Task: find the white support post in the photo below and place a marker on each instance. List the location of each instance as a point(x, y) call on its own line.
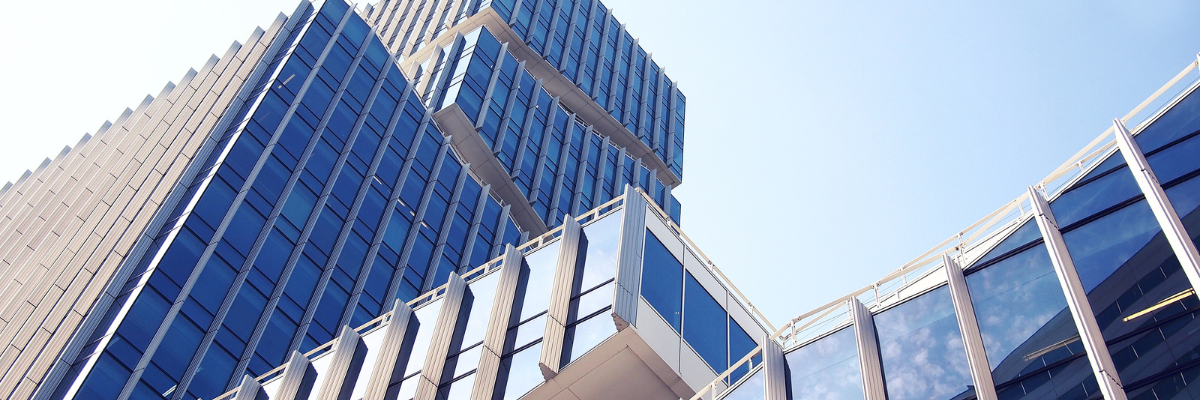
point(981, 370)
point(1077, 302)
point(774, 370)
point(868, 351)
point(1156, 198)
point(560, 299)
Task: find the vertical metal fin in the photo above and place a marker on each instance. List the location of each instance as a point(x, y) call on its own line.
point(493, 341)
point(1077, 302)
point(981, 371)
point(298, 378)
point(390, 365)
point(1164, 212)
point(560, 298)
point(775, 374)
point(348, 354)
point(868, 351)
point(250, 390)
point(443, 335)
point(629, 260)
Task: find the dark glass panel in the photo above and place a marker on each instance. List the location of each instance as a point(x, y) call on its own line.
point(1104, 192)
point(704, 325)
point(662, 280)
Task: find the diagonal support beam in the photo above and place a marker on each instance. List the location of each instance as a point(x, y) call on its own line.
point(1077, 302)
point(1160, 205)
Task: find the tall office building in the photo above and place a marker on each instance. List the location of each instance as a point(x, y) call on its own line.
point(338, 162)
point(471, 199)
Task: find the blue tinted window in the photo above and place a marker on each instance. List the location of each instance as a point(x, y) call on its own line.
point(662, 280)
point(1094, 196)
point(704, 325)
point(1183, 119)
point(922, 349)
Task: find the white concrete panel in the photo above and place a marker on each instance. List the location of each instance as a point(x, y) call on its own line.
point(658, 334)
point(694, 371)
point(743, 318)
point(664, 235)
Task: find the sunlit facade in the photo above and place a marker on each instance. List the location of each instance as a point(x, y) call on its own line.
point(1083, 288)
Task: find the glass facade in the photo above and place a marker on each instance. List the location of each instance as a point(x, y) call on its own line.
point(332, 196)
point(578, 38)
point(1140, 300)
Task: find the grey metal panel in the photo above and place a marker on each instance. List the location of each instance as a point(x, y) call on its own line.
point(443, 335)
point(1077, 302)
point(868, 351)
point(392, 356)
point(250, 390)
point(1160, 205)
point(348, 353)
point(502, 307)
point(775, 376)
point(560, 298)
point(298, 379)
point(629, 260)
point(981, 371)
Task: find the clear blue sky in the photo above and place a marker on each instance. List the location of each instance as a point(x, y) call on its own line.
point(827, 142)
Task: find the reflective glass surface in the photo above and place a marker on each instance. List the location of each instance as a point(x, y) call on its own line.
point(600, 263)
point(827, 368)
point(519, 373)
point(537, 278)
point(427, 315)
point(585, 335)
point(750, 389)
point(922, 349)
point(1028, 333)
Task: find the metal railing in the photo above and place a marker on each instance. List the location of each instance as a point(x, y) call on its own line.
point(973, 242)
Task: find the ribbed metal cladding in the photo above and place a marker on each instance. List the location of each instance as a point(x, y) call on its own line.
point(96, 248)
point(339, 379)
point(981, 371)
point(298, 379)
point(389, 367)
point(1077, 302)
point(629, 260)
point(249, 389)
point(868, 351)
point(443, 334)
point(493, 340)
point(1181, 242)
point(775, 376)
point(560, 298)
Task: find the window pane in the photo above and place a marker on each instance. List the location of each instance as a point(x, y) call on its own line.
point(600, 260)
point(751, 389)
point(519, 373)
point(922, 349)
point(1026, 326)
point(662, 280)
point(537, 278)
point(704, 325)
point(827, 368)
point(585, 335)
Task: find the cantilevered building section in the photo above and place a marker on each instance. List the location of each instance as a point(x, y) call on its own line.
point(615, 304)
point(1082, 288)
